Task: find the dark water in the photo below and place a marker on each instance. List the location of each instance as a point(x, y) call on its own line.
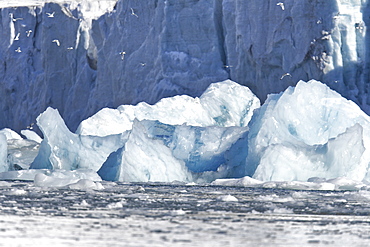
point(150, 214)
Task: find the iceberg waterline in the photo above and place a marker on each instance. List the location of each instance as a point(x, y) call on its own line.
point(306, 133)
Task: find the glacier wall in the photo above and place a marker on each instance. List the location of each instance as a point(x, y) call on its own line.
point(87, 56)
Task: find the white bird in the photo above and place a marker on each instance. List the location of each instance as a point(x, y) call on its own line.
point(29, 33)
point(281, 5)
point(286, 74)
point(122, 53)
point(17, 36)
point(56, 42)
point(50, 15)
point(18, 50)
point(143, 64)
point(133, 13)
point(228, 66)
point(70, 48)
point(14, 19)
point(30, 126)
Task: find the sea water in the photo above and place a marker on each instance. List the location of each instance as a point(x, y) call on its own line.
point(178, 214)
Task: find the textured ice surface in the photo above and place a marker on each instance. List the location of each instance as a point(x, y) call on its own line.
point(31, 135)
point(309, 131)
point(222, 104)
point(62, 149)
point(161, 152)
point(314, 183)
point(3, 153)
point(306, 133)
point(10, 134)
point(78, 179)
point(21, 153)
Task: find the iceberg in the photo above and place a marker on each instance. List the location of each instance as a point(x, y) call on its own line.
point(149, 150)
point(309, 131)
point(223, 104)
point(308, 136)
point(161, 152)
point(3, 153)
point(62, 149)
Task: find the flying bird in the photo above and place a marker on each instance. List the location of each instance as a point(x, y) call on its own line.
point(29, 33)
point(122, 53)
point(70, 48)
point(30, 126)
point(133, 13)
point(281, 5)
point(286, 74)
point(17, 36)
point(50, 15)
point(56, 42)
point(18, 50)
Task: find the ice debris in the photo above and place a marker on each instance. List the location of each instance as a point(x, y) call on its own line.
point(307, 137)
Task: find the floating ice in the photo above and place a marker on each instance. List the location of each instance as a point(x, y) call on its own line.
point(61, 149)
point(308, 137)
point(227, 198)
point(10, 134)
point(161, 152)
point(21, 153)
point(309, 131)
point(222, 104)
point(340, 183)
point(31, 135)
point(78, 179)
point(3, 153)
point(86, 184)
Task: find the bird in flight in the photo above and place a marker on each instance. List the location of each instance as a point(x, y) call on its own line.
point(50, 15)
point(281, 5)
point(17, 36)
point(133, 12)
point(56, 42)
point(122, 53)
point(18, 50)
point(286, 74)
point(29, 33)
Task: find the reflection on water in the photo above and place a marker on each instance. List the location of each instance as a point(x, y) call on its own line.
point(150, 214)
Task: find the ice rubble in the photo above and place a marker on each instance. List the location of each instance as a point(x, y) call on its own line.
point(309, 131)
point(222, 104)
point(149, 150)
point(307, 137)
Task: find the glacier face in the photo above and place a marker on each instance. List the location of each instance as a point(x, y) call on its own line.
point(111, 54)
